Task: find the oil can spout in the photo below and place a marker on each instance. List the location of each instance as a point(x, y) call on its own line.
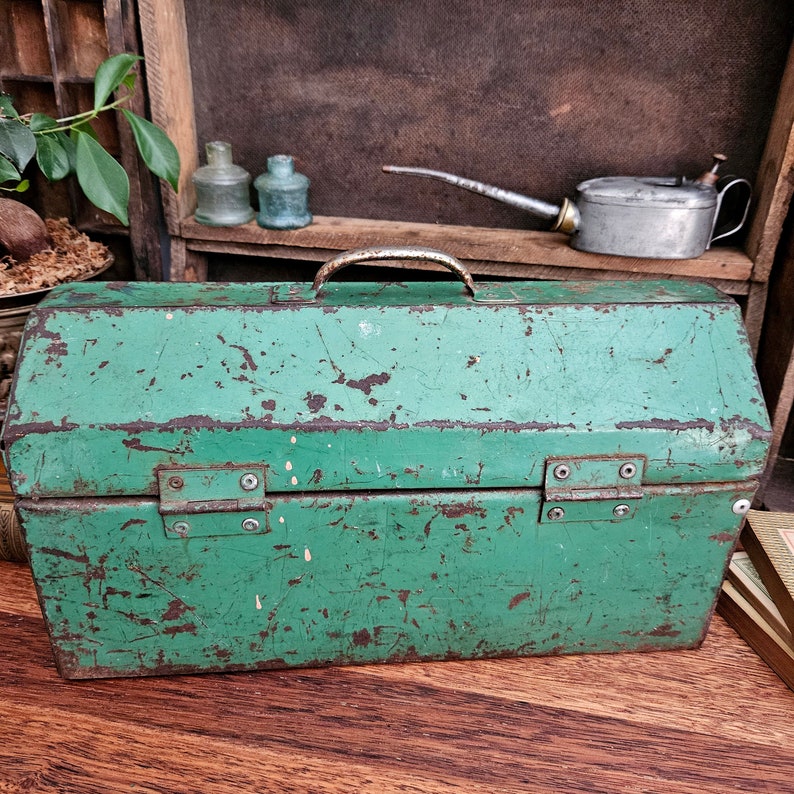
point(542, 209)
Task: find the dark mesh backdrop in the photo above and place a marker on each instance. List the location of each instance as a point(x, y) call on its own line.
point(529, 95)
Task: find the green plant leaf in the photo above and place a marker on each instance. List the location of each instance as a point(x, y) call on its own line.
point(69, 147)
point(84, 127)
point(53, 158)
point(8, 170)
point(41, 121)
point(7, 106)
point(17, 142)
point(157, 151)
point(110, 75)
point(103, 180)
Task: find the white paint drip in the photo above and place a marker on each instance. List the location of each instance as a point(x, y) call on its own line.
point(281, 519)
point(293, 440)
point(294, 480)
point(258, 602)
point(288, 465)
point(307, 555)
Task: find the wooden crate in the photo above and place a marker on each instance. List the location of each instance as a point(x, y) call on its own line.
point(173, 60)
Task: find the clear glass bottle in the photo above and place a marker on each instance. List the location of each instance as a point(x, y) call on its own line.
point(283, 195)
point(222, 189)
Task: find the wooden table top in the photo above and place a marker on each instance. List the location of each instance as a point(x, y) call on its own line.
point(714, 719)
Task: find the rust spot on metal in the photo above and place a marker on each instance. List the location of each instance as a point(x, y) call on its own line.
point(132, 522)
point(184, 628)
point(663, 357)
point(316, 477)
point(472, 361)
point(366, 384)
point(722, 537)
point(82, 558)
point(139, 446)
point(460, 509)
point(511, 427)
point(315, 402)
point(753, 428)
point(176, 608)
point(249, 360)
point(517, 599)
point(362, 638)
point(109, 591)
point(667, 424)
point(665, 630)
point(511, 513)
point(268, 405)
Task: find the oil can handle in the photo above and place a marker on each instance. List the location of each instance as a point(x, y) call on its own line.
point(408, 252)
point(725, 185)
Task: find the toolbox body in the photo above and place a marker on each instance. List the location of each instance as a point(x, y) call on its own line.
point(218, 477)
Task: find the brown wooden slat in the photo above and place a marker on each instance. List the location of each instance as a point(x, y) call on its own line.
point(774, 185)
point(465, 242)
point(170, 91)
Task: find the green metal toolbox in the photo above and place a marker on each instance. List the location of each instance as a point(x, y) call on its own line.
point(246, 476)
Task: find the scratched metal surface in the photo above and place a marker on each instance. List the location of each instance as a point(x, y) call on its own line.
point(375, 387)
point(350, 579)
point(404, 432)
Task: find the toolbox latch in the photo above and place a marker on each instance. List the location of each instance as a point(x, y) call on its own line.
point(224, 500)
point(597, 488)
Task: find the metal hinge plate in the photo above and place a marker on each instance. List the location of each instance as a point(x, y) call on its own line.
point(596, 488)
point(224, 500)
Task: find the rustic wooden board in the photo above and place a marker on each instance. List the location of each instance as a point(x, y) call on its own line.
point(774, 184)
point(515, 246)
point(710, 720)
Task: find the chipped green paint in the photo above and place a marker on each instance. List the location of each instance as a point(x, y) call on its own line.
point(355, 579)
point(404, 432)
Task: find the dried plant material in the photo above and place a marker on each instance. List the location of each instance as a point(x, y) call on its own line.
point(73, 257)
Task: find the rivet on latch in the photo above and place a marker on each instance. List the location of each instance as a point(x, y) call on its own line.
point(556, 513)
point(250, 525)
point(181, 528)
point(741, 506)
point(621, 510)
point(627, 471)
point(175, 483)
point(562, 472)
point(249, 481)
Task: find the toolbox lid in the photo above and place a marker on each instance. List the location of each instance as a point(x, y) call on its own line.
point(379, 386)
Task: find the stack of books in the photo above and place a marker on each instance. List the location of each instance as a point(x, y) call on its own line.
point(757, 597)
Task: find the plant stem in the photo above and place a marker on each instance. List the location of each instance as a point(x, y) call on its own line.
point(81, 118)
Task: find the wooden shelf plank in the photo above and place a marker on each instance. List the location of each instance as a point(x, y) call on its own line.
point(511, 246)
point(774, 184)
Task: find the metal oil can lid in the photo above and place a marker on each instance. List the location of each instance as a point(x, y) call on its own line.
point(636, 191)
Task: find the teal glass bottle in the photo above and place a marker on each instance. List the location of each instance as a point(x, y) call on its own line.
point(283, 195)
point(222, 189)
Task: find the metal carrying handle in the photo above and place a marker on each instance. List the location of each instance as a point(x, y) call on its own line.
point(723, 186)
point(409, 252)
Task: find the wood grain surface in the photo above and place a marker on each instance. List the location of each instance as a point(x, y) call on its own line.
point(517, 246)
point(714, 719)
